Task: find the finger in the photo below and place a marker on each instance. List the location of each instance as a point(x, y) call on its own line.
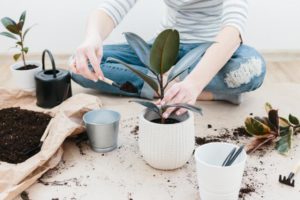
point(158, 102)
point(177, 99)
point(72, 65)
point(95, 63)
point(170, 94)
point(183, 110)
point(82, 66)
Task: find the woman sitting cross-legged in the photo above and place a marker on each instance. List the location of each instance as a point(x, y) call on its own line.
point(226, 70)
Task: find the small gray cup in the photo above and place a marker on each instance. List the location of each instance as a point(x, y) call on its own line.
point(102, 128)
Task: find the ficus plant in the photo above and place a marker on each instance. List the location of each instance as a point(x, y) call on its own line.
point(15, 31)
point(272, 129)
point(160, 58)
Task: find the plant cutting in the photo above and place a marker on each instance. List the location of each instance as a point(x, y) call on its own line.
point(164, 143)
point(22, 72)
point(272, 129)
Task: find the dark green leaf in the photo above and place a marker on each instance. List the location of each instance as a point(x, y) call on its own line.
point(184, 105)
point(284, 144)
point(151, 81)
point(294, 120)
point(139, 46)
point(274, 119)
point(149, 105)
point(256, 128)
point(25, 49)
point(23, 16)
point(10, 25)
point(17, 56)
point(19, 43)
point(190, 59)
point(7, 34)
point(164, 51)
point(21, 21)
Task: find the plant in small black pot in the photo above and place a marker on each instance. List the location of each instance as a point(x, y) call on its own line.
point(164, 143)
point(22, 72)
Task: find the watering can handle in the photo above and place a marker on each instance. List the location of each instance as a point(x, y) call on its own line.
point(51, 59)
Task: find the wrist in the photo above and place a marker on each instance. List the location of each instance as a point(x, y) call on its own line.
point(94, 38)
point(195, 83)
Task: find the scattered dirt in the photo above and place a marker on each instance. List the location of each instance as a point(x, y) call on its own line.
point(67, 182)
point(240, 132)
point(135, 130)
point(128, 87)
point(209, 126)
point(27, 67)
point(20, 131)
point(80, 140)
point(203, 140)
point(244, 191)
point(167, 121)
point(226, 135)
point(24, 196)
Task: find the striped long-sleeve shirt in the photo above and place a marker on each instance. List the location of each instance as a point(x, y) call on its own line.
point(196, 20)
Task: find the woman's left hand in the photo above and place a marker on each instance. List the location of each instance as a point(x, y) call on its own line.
point(181, 92)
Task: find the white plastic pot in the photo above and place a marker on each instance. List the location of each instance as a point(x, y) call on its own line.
point(24, 79)
point(166, 146)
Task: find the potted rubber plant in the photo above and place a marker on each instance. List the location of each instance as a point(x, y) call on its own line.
point(22, 72)
point(164, 143)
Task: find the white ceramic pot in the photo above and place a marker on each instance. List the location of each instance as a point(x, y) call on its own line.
point(166, 146)
point(24, 79)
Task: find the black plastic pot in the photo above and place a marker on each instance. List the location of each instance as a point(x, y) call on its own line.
point(53, 86)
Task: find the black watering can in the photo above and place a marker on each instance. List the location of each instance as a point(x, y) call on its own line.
point(53, 86)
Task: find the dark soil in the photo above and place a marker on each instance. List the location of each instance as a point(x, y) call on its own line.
point(27, 67)
point(202, 140)
point(24, 196)
point(227, 136)
point(80, 140)
point(20, 131)
point(209, 126)
point(241, 132)
point(244, 191)
point(135, 130)
point(167, 121)
point(128, 87)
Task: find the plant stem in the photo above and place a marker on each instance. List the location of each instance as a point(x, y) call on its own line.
point(22, 51)
point(162, 120)
point(161, 84)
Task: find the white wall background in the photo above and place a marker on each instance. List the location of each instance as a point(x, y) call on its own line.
point(274, 25)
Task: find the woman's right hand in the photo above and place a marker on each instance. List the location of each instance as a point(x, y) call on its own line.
point(90, 50)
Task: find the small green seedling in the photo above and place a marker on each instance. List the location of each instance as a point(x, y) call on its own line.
point(15, 31)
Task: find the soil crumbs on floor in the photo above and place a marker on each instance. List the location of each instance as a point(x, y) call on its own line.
point(20, 131)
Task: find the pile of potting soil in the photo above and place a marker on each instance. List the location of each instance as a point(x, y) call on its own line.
point(20, 131)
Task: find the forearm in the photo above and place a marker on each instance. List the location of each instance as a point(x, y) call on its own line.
point(99, 25)
point(216, 56)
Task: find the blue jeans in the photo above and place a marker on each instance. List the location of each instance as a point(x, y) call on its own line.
point(244, 72)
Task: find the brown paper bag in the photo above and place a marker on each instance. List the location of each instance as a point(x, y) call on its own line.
point(66, 121)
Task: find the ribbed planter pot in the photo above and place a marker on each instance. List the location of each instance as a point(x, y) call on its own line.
point(24, 79)
point(166, 146)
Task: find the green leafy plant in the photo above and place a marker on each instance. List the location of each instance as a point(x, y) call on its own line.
point(16, 32)
point(272, 129)
point(159, 59)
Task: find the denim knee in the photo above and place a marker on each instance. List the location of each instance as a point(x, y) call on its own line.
point(250, 72)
